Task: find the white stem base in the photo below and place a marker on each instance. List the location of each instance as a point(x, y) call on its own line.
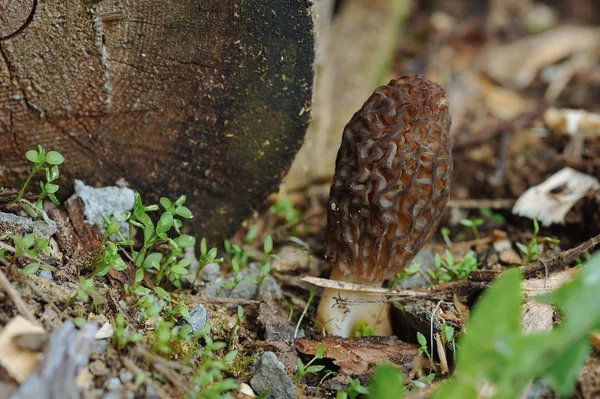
point(341, 316)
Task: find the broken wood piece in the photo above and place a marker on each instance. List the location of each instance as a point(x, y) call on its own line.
point(550, 201)
point(358, 357)
point(18, 362)
point(538, 286)
point(536, 317)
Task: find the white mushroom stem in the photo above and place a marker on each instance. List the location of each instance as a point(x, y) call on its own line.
point(341, 316)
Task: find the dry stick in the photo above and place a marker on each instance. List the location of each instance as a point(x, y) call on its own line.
point(500, 203)
point(14, 295)
point(490, 132)
point(543, 266)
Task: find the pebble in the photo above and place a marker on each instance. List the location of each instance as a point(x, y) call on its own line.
point(244, 289)
point(269, 373)
point(112, 384)
point(197, 319)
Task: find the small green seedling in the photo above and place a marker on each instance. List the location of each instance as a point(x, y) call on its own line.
point(447, 270)
point(412, 269)
point(311, 296)
point(264, 267)
point(353, 390)
point(493, 216)
point(121, 336)
point(304, 369)
point(363, 330)
point(532, 249)
point(445, 232)
point(285, 210)
point(29, 246)
point(48, 162)
point(473, 224)
point(423, 348)
point(208, 381)
point(86, 291)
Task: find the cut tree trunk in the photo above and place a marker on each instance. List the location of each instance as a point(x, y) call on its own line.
point(208, 98)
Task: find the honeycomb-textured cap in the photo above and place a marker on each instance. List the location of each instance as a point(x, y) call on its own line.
point(392, 179)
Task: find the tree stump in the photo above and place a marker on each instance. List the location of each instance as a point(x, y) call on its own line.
point(207, 98)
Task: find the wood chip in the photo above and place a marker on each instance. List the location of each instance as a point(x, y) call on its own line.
point(550, 201)
point(357, 357)
point(536, 317)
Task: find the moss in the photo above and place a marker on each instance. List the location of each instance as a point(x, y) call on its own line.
point(242, 365)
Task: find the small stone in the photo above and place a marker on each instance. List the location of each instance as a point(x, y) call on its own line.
point(107, 201)
point(47, 274)
point(269, 373)
point(246, 288)
point(210, 272)
point(125, 375)
point(151, 391)
point(112, 384)
point(98, 368)
point(99, 346)
point(511, 257)
point(197, 319)
point(246, 390)
point(42, 228)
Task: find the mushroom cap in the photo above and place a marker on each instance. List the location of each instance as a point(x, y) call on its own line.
point(392, 179)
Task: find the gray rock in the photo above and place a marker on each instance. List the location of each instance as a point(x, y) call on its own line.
point(112, 384)
point(47, 274)
point(244, 289)
point(210, 272)
point(197, 319)
point(151, 391)
point(100, 345)
point(107, 201)
point(425, 258)
point(125, 375)
point(42, 228)
point(269, 373)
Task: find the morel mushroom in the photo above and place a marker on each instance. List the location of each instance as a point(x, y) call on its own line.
point(391, 184)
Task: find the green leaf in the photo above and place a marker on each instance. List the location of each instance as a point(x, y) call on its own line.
point(268, 245)
point(179, 270)
point(162, 293)
point(152, 261)
point(412, 269)
point(250, 236)
point(314, 369)
point(386, 383)
point(30, 268)
point(523, 248)
point(320, 351)
point(183, 212)
point(32, 156)
point(422, 340)
point(203, 246)
point(186, 241)
point(139, 276)
point(181, 200)
point(54, 158)
point(166, 203)
point(164, 223)
point(79, 321)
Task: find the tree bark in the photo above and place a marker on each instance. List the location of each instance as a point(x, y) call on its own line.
point(207, 98)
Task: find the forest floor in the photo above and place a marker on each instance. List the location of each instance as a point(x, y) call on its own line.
point(523, 84)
